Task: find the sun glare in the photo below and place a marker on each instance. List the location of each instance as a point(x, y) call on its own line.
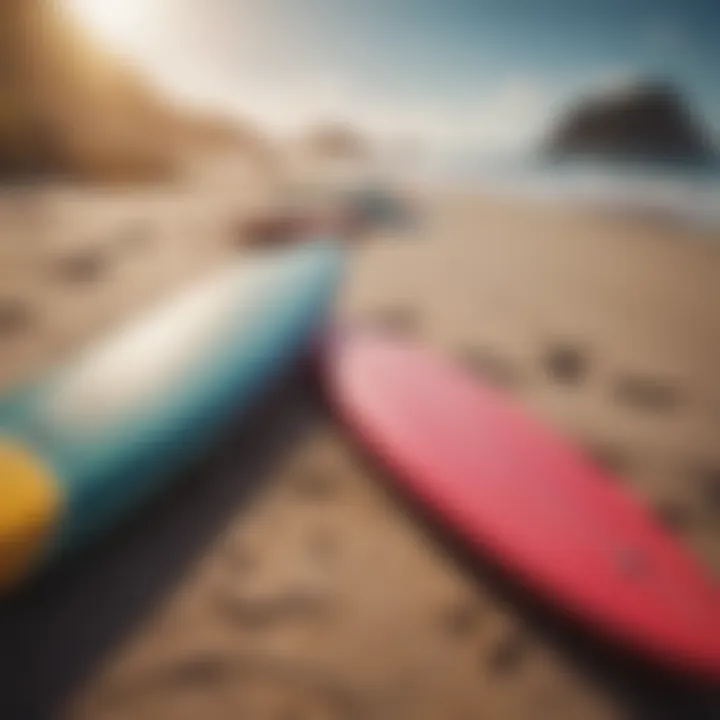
point(118, 22)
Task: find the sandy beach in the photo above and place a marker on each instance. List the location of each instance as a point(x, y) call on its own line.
point(281, 577)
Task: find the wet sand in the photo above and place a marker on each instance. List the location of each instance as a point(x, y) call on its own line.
point(282, 577)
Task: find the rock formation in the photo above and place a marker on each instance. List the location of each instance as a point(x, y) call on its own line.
point(645, 121)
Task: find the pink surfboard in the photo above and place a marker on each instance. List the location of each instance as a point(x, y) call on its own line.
point(522, 497)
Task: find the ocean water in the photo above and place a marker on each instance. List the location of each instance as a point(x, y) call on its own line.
point(678, 193)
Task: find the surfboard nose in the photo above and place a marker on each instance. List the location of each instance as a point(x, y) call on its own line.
point(30, 502)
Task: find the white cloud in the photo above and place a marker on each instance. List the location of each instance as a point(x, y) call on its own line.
point(282, 105)
point(511, 115)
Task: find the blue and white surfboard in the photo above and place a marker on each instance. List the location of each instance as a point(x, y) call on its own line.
point(84, 446)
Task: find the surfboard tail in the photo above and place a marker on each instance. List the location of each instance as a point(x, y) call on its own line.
point(30, 504)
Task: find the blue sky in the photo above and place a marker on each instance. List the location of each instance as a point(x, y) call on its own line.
point(485, 72)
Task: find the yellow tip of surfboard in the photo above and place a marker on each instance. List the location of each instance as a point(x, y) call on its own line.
point(29, 503)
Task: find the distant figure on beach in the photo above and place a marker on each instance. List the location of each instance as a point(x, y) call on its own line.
point(348, 215)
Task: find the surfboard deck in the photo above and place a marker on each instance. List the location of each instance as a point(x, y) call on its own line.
point(520, 496)
point(84, 445)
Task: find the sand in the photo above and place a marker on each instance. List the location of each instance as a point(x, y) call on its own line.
point(281, 577)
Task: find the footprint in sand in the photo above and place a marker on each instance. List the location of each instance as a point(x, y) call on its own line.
point(567, 364)
point(673, 516)
point(316, 485)
point(506, 655)
point(250, 597)
point(323, 546)
point(83, 267)
point(647, 394)
point(242, 560)
point(461, 621)
point(272, 610)
point(612, 459)
point(227, 686)
point(15, 317)
point(491, 368)
point(709, 479)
